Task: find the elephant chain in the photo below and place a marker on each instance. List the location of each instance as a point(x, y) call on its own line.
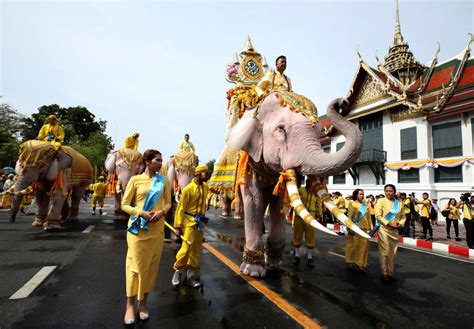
point(274, 253)
point(253, 257)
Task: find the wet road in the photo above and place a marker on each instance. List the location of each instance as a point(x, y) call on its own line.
point(86, 290)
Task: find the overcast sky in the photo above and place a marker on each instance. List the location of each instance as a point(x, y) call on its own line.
point(158, 67)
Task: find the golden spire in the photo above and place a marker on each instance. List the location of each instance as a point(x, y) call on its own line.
point(397, 38)
point(248, 44)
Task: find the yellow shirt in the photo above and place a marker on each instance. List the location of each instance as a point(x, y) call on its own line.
point(312, 202)
point(425, 208)
point(466, 213)
point(273, 80)
point(48, 129)
point(454, 212)
point(187, 146)
point(353, 213)
point(192, 201)
point(131, 143)
point(371, 206)
point(340, 202)
point(137, 190)
point(383, 207)
point(406, 206)
point(100, 188)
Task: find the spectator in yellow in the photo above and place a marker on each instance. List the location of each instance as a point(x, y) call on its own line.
point(314, 206)
point(190, 221)
point(425, 216)
point(186, 145)
point(52, 132)
point(131, 142)
point(357, 247)
point(274, 79)
point(390, 216)
point(454, 215)
point(100, 190)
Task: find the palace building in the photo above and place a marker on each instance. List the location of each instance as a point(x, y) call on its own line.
point(417, 122)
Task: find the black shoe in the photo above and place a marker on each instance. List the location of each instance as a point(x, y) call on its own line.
point(448, 236)
point(385, 279)
point(296, 260)
point(430, 238)
point(392, 279)
point(457, 239)
point(93, 214)
point(310, 262)
point(100, 211)
point(193, 283)
point(423, 237)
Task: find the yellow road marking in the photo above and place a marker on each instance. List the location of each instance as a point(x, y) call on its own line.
point(276, 299)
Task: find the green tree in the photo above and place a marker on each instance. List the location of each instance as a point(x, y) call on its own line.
point(210, 165)
point(10, 126)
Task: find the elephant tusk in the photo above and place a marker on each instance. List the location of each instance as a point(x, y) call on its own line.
point(326, 198)
point(301, 210)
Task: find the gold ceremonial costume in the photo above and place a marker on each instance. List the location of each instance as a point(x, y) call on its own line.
point(314, 206)
point(357, 247)
point(131, 143)
point(100, 189)
point(56, 130)
point(271, 81)
point(144, 249)
point(388, 236)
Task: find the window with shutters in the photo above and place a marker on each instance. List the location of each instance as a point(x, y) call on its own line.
point(447, 140)
point(448, 175)
point(339, 179)
point(409, 176)
point(408, 145)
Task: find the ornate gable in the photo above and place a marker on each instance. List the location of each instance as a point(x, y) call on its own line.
point(369, 91)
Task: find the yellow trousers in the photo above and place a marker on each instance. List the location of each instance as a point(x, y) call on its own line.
point(189, 259)
point(98, 199)
point(300, 228)
point(357, 250)
point(388, 245)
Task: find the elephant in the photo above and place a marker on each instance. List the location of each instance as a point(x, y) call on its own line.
point(282, 139)
point(123, 164)
point(54, 173)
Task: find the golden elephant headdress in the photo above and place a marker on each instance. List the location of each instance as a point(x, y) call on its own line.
point(298, 103)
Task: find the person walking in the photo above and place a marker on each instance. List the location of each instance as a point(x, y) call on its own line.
point(425, 216)
point(147, 199)
point(453, 216)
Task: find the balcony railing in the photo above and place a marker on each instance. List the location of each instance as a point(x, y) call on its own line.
point(372, 155)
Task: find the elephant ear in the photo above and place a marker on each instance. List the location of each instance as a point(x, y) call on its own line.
point(247, 135)
point(64, 160)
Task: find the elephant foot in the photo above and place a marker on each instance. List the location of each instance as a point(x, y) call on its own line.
point(253, 262)
point(38, 222)
point(71, 219)
point(273, 256)
point(237, 217)
point(73, 214)
point(254, 270)
point(273, 263)
point(52, 225)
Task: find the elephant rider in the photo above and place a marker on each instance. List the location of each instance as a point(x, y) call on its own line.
point(314, 205)
point(186, 145)
point(189, 221)
point(274, 79)
point(52, 132)
point(131, 142)
point(100, 189)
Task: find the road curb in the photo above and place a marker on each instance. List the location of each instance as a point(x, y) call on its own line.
point(435, 246)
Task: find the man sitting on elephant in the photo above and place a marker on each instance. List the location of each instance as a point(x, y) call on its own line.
point(52, 132)
point(274, 79)
point(186, 145)
point(131, 142)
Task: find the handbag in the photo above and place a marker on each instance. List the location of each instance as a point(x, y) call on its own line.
point(445, 212)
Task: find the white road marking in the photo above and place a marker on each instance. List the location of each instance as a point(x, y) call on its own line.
point(88, 229)
point(336, 254)
point(35, 281)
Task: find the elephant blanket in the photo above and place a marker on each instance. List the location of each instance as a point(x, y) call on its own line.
point(35, 153)
point(81, 172)
point(130, 157)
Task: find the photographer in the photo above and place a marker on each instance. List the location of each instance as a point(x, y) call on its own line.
point(468, 212)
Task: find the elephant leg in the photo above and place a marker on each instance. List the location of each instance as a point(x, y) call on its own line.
point(42, 202)
point(53, 220)
point(76, 196)
point(253, 262)
point(120, 215)
point(65, 208)
point(276, 239)
point(224, 206)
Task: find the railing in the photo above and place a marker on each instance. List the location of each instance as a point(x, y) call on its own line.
point(372, 155)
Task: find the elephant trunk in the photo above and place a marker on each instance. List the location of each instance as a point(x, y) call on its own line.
point(322, 164)
point(23, 183)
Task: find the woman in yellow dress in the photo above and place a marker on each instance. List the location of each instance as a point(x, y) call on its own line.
point(390, 217)
point(357, 247)
point(454, 216)
point(147, 199)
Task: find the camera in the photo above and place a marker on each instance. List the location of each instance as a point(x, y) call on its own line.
point(465, 197)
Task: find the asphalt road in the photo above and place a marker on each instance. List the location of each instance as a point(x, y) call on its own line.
point(86, 290)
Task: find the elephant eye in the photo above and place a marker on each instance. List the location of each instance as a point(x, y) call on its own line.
point(281, 128)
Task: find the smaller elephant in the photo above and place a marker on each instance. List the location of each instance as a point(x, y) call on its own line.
point(123, 164)
point(54, 173)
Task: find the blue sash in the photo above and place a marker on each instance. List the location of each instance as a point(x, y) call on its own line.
point(362, 212)
point(154, 193)
point(390, 216)
point(7, 186)
point(199, 220)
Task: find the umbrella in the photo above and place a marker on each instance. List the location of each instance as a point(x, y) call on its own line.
point(9, 170)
